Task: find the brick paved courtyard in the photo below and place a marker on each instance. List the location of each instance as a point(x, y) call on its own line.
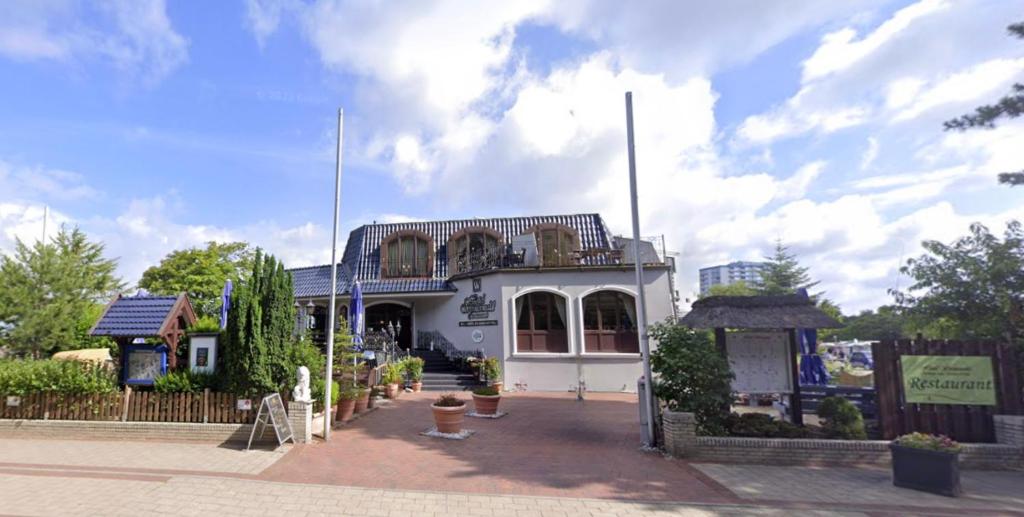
point(549, 444)
point(549, 456)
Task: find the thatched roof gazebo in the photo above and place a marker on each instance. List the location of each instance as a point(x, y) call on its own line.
point(779, 312)
point(788, 311)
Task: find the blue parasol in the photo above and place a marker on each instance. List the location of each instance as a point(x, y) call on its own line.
point(356, 316)
point(225, 304)
point(812, 368)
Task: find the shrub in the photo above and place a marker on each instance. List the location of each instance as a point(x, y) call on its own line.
point(492, 369)
point(841, 419)
point(927, 441)
point(692, 376)
point(488, 391)
point(205, 325)
point(351, 393)
point(393, 373)
point(317, 389)
point(449, 400)
point(21, 377)
point(414, 368)
point(760, 425)
point(305, 353)
point(183, 381)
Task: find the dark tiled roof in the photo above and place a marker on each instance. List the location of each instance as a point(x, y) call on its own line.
point(135, 316)
point(316, 281)
point(406, 285)
point(361, 260)
point(362, 253)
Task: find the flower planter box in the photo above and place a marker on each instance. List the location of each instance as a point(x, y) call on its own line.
point(937, 472)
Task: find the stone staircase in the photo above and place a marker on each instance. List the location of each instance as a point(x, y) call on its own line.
point(439, 374)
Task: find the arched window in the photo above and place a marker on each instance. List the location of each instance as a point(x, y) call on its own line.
point(472, 249)
point(557, 244)
point(405, 254)
point(541, 323)
point(609, 323)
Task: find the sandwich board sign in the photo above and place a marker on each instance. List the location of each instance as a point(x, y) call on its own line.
point(273, 414)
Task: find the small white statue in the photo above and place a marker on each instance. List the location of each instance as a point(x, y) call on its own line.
point(301, 392)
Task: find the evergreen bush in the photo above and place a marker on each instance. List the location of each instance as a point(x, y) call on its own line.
point(841, 419)
point(183, 381)
point(414, 368)
point(692, 376)
point(21, 377)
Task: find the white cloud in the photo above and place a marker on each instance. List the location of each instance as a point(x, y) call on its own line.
point(870, 153)
point(48, 184)
point(982, 81)
point(135, 36)
point(933, 54)
point(840, 50)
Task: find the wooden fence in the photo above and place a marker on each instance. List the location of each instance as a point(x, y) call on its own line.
point(134, 406)
point(863, 398)
point(960, 422)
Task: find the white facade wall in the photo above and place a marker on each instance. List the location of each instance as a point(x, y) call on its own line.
point(547, 372)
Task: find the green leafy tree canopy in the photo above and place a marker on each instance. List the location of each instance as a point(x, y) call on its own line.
point(970, 289)
point(52, 293)
point(1010, 106)
point(200, 272)
point(739, 288)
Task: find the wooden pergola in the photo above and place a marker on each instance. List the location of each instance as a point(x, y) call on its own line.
point(782, 312)
point(129, 317)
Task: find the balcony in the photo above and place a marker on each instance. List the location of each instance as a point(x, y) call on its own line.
point(507, 257)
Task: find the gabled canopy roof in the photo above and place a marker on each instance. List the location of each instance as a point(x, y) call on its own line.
point(143, 316)
point(758, 312)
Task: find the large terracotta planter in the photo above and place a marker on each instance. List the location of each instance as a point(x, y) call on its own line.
point(417, 386)
point(345, 410)
point(391, 391)
point(363, 402)
point(486, 404)
point(449, 419)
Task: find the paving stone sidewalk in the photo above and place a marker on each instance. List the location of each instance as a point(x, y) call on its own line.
point(36, 494)
point(129, 455)
point(838, 487)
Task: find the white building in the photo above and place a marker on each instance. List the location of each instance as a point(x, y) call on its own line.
point(553, 297)
point(740, 271)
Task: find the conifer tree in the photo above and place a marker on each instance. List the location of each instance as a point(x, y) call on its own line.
point(783, 274)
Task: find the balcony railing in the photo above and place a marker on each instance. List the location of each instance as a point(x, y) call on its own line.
point(507, 257)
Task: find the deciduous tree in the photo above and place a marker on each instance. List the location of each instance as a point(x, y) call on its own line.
point(200, 272)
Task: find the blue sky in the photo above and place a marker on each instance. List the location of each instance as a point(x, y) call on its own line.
point(156, 126)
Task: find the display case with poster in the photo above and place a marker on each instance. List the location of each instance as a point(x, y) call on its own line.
point(760, 361)
point(144, 363)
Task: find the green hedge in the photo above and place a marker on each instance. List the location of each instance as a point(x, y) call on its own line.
point(21, 377)
point(183, 381)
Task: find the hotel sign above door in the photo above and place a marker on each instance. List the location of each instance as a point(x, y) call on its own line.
point(478, 307)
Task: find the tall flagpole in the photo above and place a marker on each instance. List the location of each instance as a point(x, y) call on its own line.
point(331, 312)
point(645, 345)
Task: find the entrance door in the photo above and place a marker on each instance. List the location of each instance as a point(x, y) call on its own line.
point(378, 316)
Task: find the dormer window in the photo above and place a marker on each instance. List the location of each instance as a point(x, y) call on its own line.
point(407, 254)
point(472, 249)
point(557, 244)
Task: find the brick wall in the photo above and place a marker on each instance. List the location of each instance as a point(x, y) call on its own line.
point(681, 441)
point(98, 430)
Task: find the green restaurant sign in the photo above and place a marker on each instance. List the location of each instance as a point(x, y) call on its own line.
point(948, 379)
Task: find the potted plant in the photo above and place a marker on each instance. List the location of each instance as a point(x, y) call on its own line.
point(492, 370)
point(391, 378)
point(926, 462)
point(347, 403)
point(414, 370)
point(486, 400)
point(449, 411)
point(363, 400)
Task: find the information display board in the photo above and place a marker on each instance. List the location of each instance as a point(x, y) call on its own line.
point(145, 363)
point(948, 379)
point(273, 414)
point(760, 362)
